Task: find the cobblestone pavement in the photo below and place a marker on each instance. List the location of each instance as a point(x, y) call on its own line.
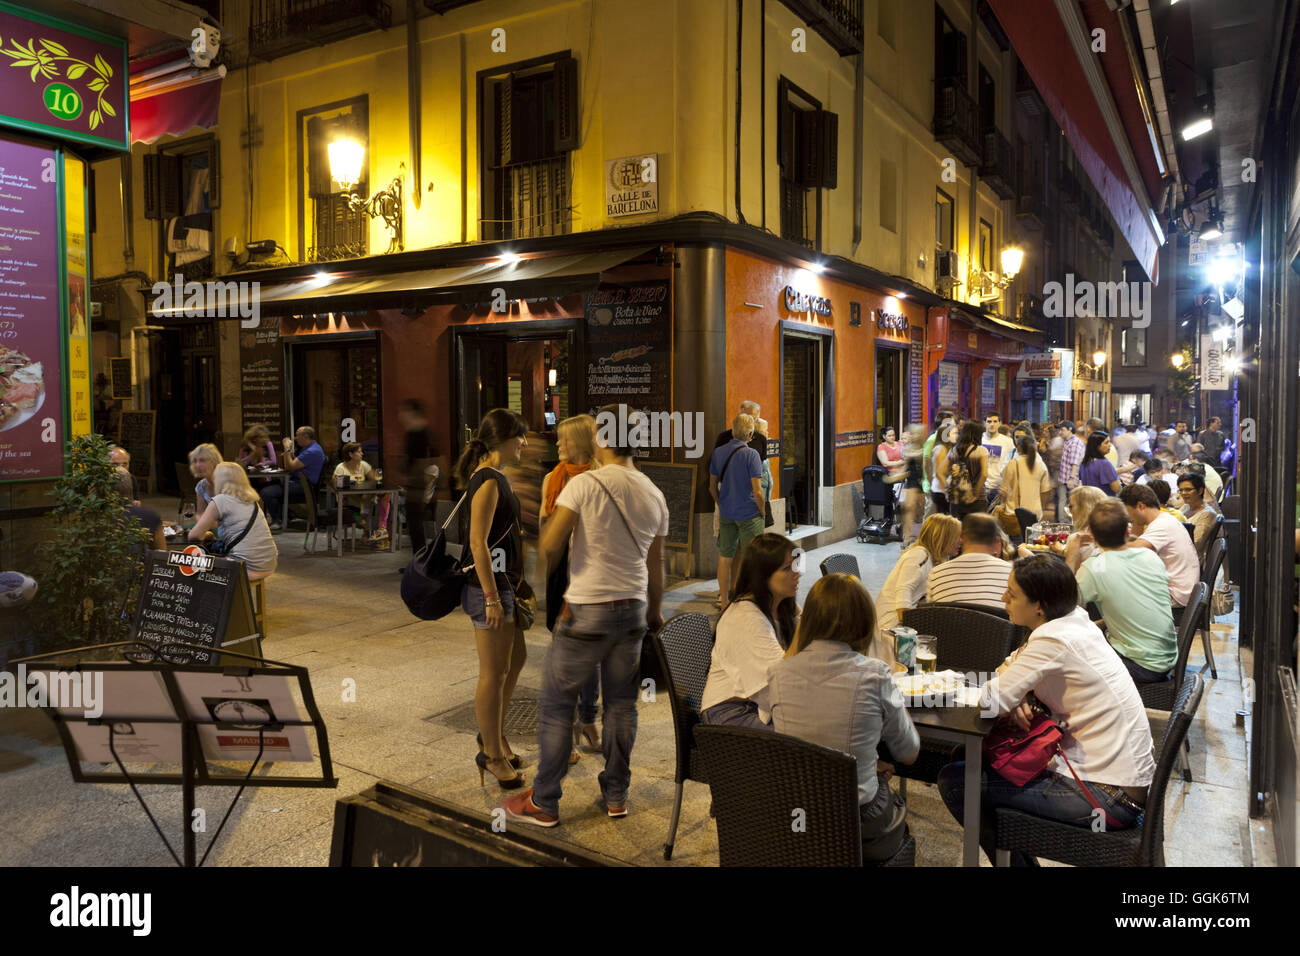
point(412, 723)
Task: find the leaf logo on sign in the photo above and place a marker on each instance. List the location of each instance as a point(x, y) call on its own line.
point(61, 99)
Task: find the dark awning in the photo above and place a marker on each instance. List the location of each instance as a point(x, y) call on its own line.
point(543, 276)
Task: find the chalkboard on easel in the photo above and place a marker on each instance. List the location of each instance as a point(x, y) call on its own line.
point(196, 598)
point(119, 378)
point(135, 433)
point(677, 482)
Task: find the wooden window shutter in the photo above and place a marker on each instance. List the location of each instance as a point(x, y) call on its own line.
point(162, 193)
point(214, 173)
point(829, 127)
point(318, 165)
point(505, 146)
point(566, 104)
point(810, 166)
point(786, 133)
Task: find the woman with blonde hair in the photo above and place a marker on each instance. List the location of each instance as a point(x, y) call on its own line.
point(575, 441)
point(1079, 547)
point(939, 540)
point(203, 460)
point(827, 692)
point(236, 512)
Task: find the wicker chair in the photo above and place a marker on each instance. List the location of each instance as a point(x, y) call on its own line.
point(684, 646)
point(1162, 696)
point(969, 639)
point(1142, 845)
point(982, 608)
point(758, 778)
point(841, 564)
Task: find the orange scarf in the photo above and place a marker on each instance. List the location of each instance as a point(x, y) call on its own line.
point(556, 481)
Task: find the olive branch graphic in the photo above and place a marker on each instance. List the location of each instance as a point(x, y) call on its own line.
point(44, 61)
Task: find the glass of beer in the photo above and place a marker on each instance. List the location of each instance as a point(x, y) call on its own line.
point(926, 653)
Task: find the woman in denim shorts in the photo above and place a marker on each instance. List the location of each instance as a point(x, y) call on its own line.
point(492, 530)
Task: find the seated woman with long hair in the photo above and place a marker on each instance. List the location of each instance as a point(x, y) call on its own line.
point(1066, 668)
point(939, 540)
point(236, 513)
point(828, 693)
point(757, 624)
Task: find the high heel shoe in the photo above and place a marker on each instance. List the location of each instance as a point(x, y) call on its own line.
point(514, 760)
point(513, 783)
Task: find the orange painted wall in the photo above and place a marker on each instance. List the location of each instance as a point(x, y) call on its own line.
point(754, 340)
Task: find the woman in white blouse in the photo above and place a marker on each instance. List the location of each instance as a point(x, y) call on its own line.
point(752, 634)
point(1067, 668)
point(940, 539)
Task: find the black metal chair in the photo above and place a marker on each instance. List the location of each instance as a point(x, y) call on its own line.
point(307, 509)
point(760, 780)
point(841, 564)
point(968, 639)
point(1142, 845)
point(982, 608)
point(1209, 574)
point(1163, 695)
point(684, 646)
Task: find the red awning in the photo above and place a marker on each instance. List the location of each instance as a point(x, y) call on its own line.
point(1041, 39)
point(175, 112)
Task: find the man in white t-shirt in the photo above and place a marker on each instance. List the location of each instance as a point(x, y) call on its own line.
point(1165, 535)
point(999, 447)
point(978, 575)
point(618, 521)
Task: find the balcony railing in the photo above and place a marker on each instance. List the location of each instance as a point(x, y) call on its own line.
point(1031, 101)
point(954, 121)
point(1030, 208)
point(838, 22)
point(281, 27)
point(997, 164)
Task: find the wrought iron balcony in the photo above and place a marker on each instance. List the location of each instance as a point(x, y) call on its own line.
point(1031, 101)
point(838, 22)
point(1030, 208)
point(955, 121)
point(281, 27)
point(997, 164)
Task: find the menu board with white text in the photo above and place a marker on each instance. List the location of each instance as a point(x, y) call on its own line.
point(31, 333)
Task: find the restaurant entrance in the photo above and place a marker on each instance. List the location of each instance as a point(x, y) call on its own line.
point(335, 389)
point(186, 387)
point(890, 362)
point(805, 381)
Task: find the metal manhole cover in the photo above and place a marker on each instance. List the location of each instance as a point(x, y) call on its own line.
point(520, 720)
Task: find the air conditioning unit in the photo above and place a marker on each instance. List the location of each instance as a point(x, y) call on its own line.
point(946, 266)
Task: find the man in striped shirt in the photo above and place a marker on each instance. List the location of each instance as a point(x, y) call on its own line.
point(978, 575)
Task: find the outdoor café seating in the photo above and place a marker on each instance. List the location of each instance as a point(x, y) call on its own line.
point(684, 646)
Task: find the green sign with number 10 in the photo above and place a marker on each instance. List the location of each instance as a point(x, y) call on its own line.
point(63, 101)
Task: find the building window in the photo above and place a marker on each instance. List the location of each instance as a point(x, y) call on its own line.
point(333, 229)
point(943, 220)
point(988, 103)
point(181, 188)
point(889, 195)
point(528, 122)
point(949, 50)
point(986, 246)
point(1133, 347)
point(808, 155)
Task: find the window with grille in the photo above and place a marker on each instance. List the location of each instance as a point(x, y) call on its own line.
point(334, 230)
point(182, 187)
point(529, 126)
point(808, 145)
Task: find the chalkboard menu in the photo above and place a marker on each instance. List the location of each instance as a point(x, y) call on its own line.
point(195, 598)
point(677, 482)
point(629, 347)
point(261, 377)
point(916, 377)
point(135, 434)
point(119, 376)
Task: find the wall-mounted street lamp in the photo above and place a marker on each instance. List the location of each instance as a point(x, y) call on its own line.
point(1098, 360)
point(346, 157)
point(1177, 360)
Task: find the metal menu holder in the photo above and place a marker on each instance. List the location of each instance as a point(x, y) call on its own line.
point(155, 706)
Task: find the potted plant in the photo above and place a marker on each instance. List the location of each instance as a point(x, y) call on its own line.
point(90, 565)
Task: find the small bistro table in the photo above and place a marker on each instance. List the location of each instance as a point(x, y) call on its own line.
point(961, 725)
point(367, 489)
point(282, 476)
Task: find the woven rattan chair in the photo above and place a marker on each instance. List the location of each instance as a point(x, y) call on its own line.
point(841, 564)
point(684, 646)
point(762, 782)
point(982, 608)
point(1142, 845)
point(1164, 695)
point(969, 640)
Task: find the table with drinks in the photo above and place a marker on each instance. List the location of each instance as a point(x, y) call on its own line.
point(280, 475)
point(944, 707)
point(342, 487)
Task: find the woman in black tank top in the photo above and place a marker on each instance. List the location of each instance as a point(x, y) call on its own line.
point(490, 525)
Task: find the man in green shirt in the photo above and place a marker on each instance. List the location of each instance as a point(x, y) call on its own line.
point(1131, 587)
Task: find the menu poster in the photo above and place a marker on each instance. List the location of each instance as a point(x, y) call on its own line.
point(261, 376)
point(74, 214)
point(629, 348)
point(916, 377)
point(31, 360)
point(194, 598)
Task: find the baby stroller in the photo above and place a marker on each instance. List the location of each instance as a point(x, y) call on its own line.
point(876, 493)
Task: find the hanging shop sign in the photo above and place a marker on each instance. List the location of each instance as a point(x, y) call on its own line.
point(632, 185)
point(802, 303)
point(1047, 365)
point(1214, 370)
point(62, 80)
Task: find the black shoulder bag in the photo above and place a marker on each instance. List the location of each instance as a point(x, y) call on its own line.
point(223, 546)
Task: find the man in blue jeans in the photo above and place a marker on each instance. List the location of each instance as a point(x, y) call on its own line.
point(618, 520)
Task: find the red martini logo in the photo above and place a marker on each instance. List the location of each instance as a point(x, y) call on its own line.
point(190, 560)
